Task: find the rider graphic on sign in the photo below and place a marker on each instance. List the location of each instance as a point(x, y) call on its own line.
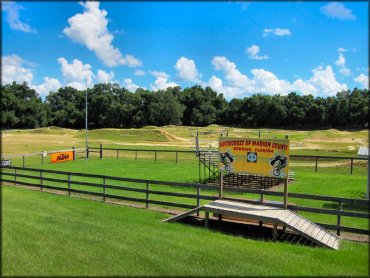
point(226, 159)
point(278, 163)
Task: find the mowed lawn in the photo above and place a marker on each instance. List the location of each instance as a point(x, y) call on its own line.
point(45, 234)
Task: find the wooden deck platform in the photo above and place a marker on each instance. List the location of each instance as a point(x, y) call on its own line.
point(267, 214)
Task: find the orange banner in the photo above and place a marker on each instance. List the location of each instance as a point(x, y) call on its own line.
point(61, 157)
point(264, 157)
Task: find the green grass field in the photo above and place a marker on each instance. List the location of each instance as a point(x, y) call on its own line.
point(330, 181)
point(46, 234)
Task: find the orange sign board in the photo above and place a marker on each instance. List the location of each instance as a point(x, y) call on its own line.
point(264, 157)
point(61, 157)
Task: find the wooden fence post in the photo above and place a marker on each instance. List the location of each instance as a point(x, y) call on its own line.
point(147, 196)
point(101, 151)
point(23, 161)
point(338, 217)
point(87, 152)
point(41, 180)
point(198, 200)
point(69, 184)
point(155, 155)
point(135, 155)
point(74, 153)
point(15, 177)
point(316, 165)
point(104, 189)
point(351, 166)
point(117, 153)
point(42, 159)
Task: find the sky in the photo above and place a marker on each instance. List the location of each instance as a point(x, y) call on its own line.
point(236, 48)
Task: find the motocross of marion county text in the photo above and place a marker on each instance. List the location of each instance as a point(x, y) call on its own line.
point(264, 157)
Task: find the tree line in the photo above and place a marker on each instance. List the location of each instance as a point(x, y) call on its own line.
point(110, 105)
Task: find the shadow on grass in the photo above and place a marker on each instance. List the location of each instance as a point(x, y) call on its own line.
point(248, 230)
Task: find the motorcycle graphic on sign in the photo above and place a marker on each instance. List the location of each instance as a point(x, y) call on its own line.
point(226, 159)
point(278, 163)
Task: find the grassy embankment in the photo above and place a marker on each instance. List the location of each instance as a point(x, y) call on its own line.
point(49, 235)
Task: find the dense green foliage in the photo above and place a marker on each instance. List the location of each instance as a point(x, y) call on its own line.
point(116, 107)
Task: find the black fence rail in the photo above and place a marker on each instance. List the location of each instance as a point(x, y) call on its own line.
point(316, 158)
point(155, 152)
point(66, 181)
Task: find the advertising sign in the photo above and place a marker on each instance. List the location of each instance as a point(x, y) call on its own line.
point(264, 157)
point(5, 163)
point(61, 157)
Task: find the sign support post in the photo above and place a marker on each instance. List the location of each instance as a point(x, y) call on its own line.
point(286, 193)
point(221, 193)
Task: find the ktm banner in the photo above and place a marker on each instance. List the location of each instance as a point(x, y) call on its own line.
point(61, 157)
point(264, 157)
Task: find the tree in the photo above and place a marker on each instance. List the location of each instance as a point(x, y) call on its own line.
point(21, 107)
point(67, 107)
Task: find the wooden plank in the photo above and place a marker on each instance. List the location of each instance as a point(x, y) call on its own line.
point(298, 223)
point(320, 235)
point(325, 239)
point(314, 232)
point(290, 218)
point(183, 215)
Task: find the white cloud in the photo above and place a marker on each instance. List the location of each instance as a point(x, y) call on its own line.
point(129, 85)
point(363, 80)
point(13, 69)
point(341, 64)
point(342, 49)
point(322, 82)
point(139, 72)
point(337, 11)
point(13, 18)
point(76, 73)
point(90, 29)
point(187, 71)
point(232, 74)
point(276, 32)
point(161, 83)
point(159, 74)
point(253, 52)
point(104, 77)
point(50, 84)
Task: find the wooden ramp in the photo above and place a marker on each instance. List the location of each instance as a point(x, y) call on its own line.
point(183, 215)
point(267, 214)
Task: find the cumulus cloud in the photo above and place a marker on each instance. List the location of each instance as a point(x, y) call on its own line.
point(341, 64)
point(90, 29)
point(187, 71)
point(13, 18)
point(363, 80)
point(337, 11)
point(277, 32)
point(14, 69)
point(161, 82)
point(129, 85)
point(159, 74)
point(322, 82)
point(104, 77)
point(253, 53)
point(76, 74)
point(49, 85)
point(139, 72)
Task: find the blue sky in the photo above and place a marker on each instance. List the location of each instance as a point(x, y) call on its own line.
point(237, 48)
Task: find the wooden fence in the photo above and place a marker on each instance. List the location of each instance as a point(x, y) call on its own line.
point(21, 176)
point(315, 158)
